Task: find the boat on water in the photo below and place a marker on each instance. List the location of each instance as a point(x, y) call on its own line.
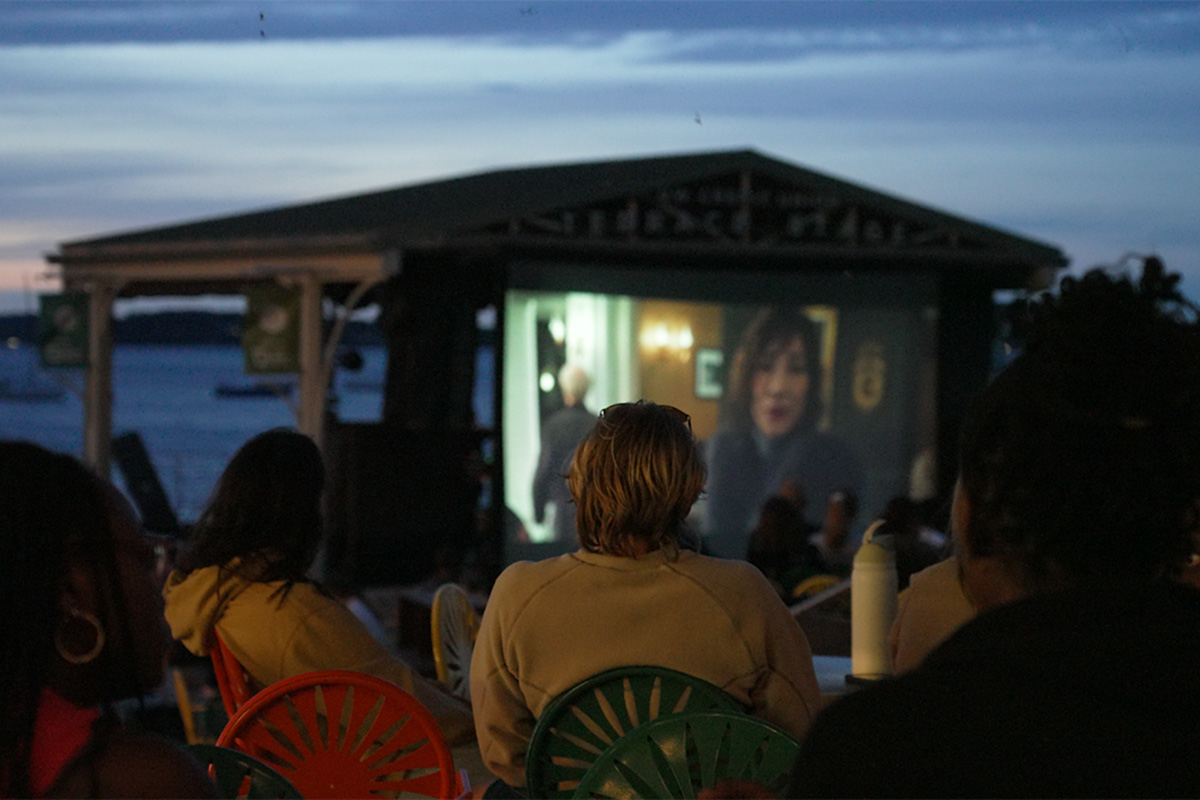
point(255, 389)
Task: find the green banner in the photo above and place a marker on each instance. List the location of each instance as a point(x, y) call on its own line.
point(63, 329)
point(271, 331)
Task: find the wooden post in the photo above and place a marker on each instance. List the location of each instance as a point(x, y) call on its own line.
point(97, 396)
point(310, 418)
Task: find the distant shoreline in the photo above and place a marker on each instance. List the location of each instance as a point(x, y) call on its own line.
point(181, 328)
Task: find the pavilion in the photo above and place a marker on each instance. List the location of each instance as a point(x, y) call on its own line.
point(729, 226)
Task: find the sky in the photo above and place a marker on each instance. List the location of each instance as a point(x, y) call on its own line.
point(1077, 124)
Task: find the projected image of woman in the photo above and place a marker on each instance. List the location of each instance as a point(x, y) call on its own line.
point(768, 443)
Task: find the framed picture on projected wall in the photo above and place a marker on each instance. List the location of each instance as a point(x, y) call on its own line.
point(710, 373)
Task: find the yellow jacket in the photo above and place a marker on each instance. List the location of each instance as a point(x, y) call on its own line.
point(276, 637)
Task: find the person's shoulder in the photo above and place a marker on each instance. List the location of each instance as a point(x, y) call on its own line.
point(198, 581)
point(301, 598)
point(723, 573)
point(525, 576)
point(943, 573)
point(870, 743)
point(138, 764)
point(699, 562)
point(570, 417)
point(582, 412)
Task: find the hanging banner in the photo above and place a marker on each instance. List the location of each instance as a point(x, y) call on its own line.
point(63, 329)
point(271, 330)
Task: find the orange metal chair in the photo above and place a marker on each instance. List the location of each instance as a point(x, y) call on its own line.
point(231, 678)
point(345, 734)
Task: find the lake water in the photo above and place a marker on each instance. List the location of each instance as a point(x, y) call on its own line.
point(165, 393)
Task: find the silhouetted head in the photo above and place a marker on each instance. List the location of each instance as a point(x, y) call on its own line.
point(574, 383)
point(780, 526)
point(1081, 461)
point(840, 511)
point(80, 611)
point(267, 506)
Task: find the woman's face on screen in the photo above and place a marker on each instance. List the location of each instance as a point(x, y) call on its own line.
point(779, 388)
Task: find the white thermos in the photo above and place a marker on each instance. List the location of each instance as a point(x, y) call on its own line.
point(873, 590)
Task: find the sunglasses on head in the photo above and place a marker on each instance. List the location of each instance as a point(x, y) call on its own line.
point(613, 412)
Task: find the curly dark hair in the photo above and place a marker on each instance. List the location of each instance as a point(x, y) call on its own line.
point(771, 330)
point(1082, 459)
point(266, 507)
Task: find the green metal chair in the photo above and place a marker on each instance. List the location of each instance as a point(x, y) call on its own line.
point(679, 755)
point(582, 722)
point(239, 774)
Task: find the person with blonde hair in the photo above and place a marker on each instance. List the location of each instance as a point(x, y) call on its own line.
point(633, 594)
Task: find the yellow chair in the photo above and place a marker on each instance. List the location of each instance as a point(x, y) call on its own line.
point(453, 626)
point(186, 712)
point(813, 585)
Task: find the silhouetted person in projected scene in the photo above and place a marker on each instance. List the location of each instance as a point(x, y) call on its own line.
point(561, 434)
point(835, 543)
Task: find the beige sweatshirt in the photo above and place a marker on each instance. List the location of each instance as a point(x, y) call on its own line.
point(550, 624)
point(930, 609)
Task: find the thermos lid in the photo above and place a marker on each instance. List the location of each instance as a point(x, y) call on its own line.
point(875, 549)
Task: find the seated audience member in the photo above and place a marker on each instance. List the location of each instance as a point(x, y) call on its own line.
point(779, 545)
point(932, 607)
point(916, 545)
point(632, 596)
point(81, 627)
point(836, 547)
point(246, 578)
point(1076, 513)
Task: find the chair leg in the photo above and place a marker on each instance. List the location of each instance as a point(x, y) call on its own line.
point(184, 701)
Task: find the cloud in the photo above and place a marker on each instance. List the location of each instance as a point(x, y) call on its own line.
point(1078, 123)
point(783, 27)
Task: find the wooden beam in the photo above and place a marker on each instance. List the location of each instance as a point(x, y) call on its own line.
point(311, 412)
point(97, 397)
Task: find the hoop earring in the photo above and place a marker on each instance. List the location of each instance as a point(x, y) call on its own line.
point(97, 646)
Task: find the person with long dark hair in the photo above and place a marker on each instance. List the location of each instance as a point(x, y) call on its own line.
point(769, 438)
point(81, 627)
point(246, 578)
